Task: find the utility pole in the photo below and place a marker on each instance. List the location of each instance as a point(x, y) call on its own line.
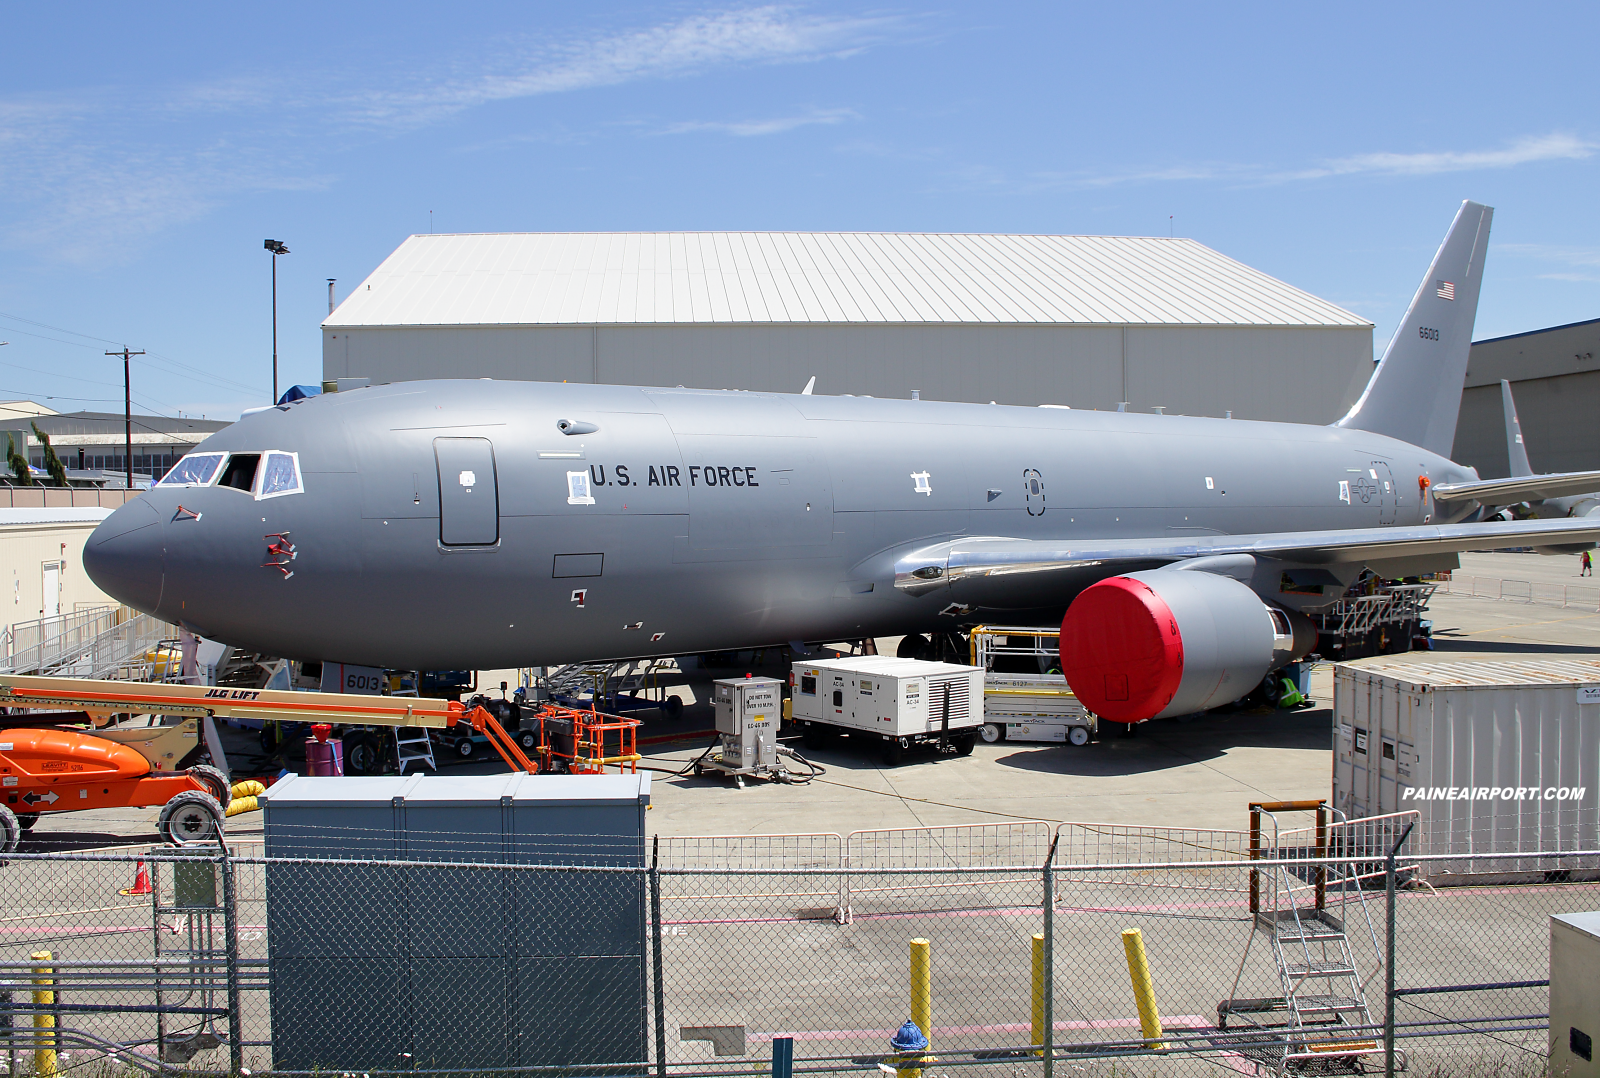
point(127, 409)
point(277, 248)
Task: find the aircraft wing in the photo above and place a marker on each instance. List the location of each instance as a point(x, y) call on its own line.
point(1519, 488)
point(981, 558)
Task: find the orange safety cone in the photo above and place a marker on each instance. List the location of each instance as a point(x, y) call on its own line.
point(141, 882)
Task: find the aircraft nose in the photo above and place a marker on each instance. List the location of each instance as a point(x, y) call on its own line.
point(124, 556)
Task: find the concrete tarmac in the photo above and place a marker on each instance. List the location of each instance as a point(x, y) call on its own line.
point(1199, 772)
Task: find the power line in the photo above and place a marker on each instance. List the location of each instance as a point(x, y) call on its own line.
point(220, 381)
point(58, 329)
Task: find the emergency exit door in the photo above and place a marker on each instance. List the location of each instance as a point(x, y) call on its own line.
point(469, 497)
point(50, 606)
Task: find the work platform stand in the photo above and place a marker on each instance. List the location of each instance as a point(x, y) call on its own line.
point(1322, 1012)
point(196, 945)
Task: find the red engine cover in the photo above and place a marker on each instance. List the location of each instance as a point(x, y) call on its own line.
point(1121, 650)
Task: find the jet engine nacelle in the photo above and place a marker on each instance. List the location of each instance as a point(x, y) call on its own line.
point(1170, 642)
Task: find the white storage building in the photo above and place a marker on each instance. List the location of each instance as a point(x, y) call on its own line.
point(1085, 321)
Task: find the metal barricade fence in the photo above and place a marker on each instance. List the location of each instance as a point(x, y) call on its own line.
point(815, 895)
point(723, 960)
point(963, 846)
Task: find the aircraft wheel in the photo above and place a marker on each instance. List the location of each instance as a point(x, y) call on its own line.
point(191, 817)
point(27, 820)
point(10, 830)
point(1078, 735)
point(215, 782)
point(362, 753)
point(992, 732)
point(964, 744)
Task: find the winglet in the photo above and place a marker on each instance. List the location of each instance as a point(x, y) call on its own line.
point(1516, 451)
point(806, 392)
point(1415, 394)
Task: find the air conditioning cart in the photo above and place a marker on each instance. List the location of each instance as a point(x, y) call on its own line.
point(894, 704)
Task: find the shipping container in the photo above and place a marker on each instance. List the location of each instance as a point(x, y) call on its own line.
point(1495, 757)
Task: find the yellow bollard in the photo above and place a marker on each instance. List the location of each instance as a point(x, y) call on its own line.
point(921, 1000)
point(44, 1052)
point(1037, 1026)
point(1143, 992)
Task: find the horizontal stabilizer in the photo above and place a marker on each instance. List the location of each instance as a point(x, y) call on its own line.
point(1519, 488)
point(977, 559)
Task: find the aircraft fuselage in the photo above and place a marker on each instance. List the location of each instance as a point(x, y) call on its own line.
point(674, 521)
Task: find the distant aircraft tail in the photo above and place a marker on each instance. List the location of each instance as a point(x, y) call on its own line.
point(1515, 450)
point(1415, 394)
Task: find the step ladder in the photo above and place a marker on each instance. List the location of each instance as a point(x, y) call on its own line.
point(1320, 1015)
point(413, 746)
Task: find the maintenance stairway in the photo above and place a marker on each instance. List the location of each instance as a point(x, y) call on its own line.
point(1320, 1016)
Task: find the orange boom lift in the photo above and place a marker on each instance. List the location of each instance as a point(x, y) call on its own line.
point(55, 770)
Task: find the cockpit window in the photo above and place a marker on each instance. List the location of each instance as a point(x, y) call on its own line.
point(280, 475)
point(240, 474)
point(194, 470)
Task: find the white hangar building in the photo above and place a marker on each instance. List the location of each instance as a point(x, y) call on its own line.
point(1085, 321)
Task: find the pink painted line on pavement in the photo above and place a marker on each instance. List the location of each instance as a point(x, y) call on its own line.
point(1014, 911)
point(98, 930)
point(1182, 1021)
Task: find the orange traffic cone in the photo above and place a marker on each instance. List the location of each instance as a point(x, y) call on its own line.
point(141, 882)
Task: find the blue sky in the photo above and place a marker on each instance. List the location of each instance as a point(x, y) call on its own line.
point(146, 150)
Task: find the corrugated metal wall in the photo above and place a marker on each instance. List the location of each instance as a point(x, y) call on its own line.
point(1309, 375)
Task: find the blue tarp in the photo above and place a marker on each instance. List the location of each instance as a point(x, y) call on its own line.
point(295, 393)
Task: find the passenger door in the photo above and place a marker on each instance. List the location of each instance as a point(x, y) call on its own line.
point(469, 497)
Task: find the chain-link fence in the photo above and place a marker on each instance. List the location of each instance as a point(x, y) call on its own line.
point(721, 955)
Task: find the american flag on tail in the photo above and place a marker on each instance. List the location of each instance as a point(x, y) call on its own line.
point(1447, 290)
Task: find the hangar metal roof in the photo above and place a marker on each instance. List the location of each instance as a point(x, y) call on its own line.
point(611, 278)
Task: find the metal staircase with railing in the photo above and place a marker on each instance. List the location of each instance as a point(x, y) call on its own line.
point(1320, 1015)
point(608, 680)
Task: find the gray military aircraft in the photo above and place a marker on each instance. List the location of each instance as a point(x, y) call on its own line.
point(1545, 494)
point(481, 524)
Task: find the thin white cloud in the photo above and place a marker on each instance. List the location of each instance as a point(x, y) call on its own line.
point(1572, 256)
point(1525, 151)
point(770, 34)
point(85, 174)
point(773, 126)
point(1583, 263)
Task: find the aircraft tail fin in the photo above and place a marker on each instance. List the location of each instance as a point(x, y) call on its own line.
point(1415, 394)
point(1515, 449)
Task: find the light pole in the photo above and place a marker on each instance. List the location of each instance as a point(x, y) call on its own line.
point(277, 248)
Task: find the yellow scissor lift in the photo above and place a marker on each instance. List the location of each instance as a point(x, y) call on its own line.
point(1025, 706)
